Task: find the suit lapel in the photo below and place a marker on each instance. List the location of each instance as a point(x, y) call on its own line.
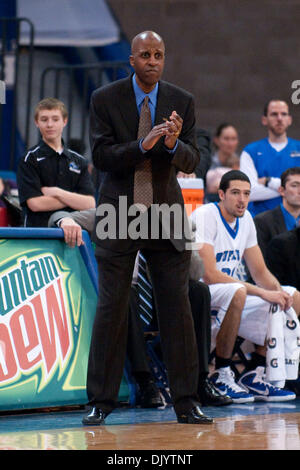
point(128, 108)
point(279, 220)
point(163, 105)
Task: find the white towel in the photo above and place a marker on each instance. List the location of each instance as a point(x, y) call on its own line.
point(283, 341)
point(292, 344)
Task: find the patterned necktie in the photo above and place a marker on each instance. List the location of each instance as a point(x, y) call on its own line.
point(143, 191)
point(145, 293)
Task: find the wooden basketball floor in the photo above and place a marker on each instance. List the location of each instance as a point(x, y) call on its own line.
point(258, 426)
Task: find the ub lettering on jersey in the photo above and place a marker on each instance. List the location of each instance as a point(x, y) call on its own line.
point(228, 255)
point(229, 241)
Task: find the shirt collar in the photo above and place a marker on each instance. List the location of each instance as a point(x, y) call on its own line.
point(232, 231)
point(140, 94)
point(289, 219)
point(49, 150)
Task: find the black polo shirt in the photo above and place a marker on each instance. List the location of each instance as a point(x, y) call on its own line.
point(43, 166)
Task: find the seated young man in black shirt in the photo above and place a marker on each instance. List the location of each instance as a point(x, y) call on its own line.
point(50, 176)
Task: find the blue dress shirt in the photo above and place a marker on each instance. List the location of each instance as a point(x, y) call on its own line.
point(139, 98)
point(290, 221)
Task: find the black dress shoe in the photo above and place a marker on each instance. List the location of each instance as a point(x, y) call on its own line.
point(95, 417)
point(150, 396)
point(293, 386)
point(210, 396)
point(194, 416)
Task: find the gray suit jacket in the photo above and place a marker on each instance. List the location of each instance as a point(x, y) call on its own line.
point(86, 218)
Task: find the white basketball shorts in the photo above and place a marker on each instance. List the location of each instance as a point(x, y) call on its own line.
point(254, 321)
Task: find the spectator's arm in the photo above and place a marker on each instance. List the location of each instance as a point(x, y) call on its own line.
point(2, 187)
point(44, 204)
point(67, 198)
point(72, 232)
point(259, 192)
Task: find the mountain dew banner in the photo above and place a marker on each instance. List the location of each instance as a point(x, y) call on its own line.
point(48, 301)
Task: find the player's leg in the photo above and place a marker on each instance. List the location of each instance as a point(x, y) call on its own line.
point(230, 325)
point(229, 300)
point(254, 326)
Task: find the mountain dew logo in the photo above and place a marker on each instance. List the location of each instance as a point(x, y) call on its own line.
point(35, 323)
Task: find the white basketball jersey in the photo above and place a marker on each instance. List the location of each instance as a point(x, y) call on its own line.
point(229, 241)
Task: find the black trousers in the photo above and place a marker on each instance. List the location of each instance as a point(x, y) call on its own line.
point(199, 296)
point(136, 345)
point(169, 273)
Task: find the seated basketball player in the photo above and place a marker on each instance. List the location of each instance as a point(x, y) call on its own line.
point(226, 233)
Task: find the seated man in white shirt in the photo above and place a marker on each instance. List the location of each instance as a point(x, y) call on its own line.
point(226, 233)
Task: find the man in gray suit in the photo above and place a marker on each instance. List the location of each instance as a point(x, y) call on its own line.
point(120, 154)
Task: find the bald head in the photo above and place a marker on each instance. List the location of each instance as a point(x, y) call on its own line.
point(145, 36)
point(147, 58)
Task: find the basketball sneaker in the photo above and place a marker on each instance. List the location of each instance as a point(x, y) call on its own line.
point(223, 380)
point(254, 382)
